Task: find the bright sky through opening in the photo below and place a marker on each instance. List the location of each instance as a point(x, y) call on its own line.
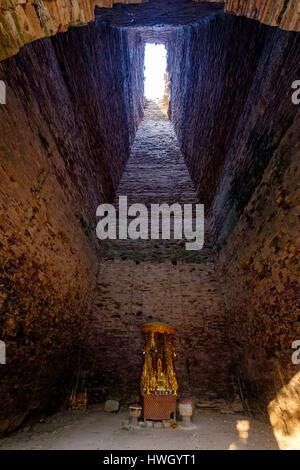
point(155, 69)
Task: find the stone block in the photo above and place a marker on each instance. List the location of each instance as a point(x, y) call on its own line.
point(111, 406)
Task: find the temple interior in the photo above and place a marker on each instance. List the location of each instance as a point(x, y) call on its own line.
point(77, 130)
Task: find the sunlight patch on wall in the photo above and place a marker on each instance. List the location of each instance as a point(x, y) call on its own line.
point(284, 412)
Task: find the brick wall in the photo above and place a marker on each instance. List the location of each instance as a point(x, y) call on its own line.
point(63, 147)
point(231, 106)
point(260, 275)
point(186, 296)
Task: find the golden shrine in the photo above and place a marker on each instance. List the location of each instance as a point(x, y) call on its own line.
point(158, 382)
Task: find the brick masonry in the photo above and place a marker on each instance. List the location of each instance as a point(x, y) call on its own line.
point(22, 23)
point(63, 148)
point(231, 107)
point(188, 297)
point(156, 173)
point(260, 274)
point(63, 151)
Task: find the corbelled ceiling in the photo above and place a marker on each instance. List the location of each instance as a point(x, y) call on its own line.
point(23, 21)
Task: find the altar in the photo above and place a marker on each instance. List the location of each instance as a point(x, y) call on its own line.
point(158, 382)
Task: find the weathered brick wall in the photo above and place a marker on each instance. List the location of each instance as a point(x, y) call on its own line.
point(22, 22)
point(282, 13)
point(186, 296)
point(108, 102)
point(26, 21)
point(29, 20)
point(65, 136)
point(231, 105)
point(259, 267)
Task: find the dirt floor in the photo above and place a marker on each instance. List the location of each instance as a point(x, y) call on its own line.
point(96, 429)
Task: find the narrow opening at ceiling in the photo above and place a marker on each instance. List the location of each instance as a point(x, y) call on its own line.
point(155, 74)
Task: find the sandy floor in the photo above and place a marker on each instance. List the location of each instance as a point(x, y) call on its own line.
point(99, 430)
